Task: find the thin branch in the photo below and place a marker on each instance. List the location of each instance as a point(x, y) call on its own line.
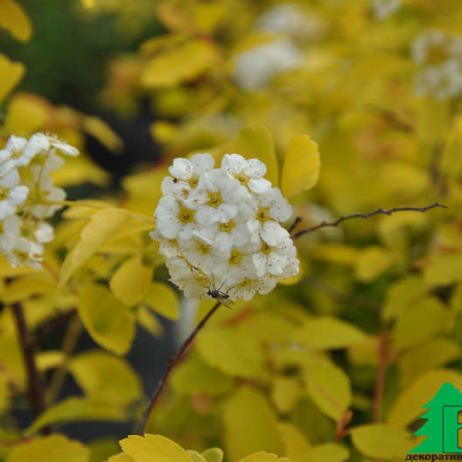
point(71, 338)
point(379, 211)
point(294, 224)
point(173, 363)
point(34, 382)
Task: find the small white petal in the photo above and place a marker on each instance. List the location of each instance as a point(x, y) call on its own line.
point(273, 233)
point(259, 185)
point(181, 169)
point(202, 163)
point(255, 168)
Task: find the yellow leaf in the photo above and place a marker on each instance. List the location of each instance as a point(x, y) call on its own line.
point(49, 359)
point(80, 169)
point(402, 294)
point(443, 270)
point(131, 280)
point(249, 410)
point(53, 448)
point(194, 376)
point(14, 20)
point(409, 404)
point(328, 452)
point(10, 75)
point(163, 299)
point(264, 457)
point(100, 229)
point(328, 387)
point(372, 263)
point(106, 319)
point(213, 455)
point(180, 64)
point(257, 143)
point(105, 378)
point(325, 333)
point(74, 410)
point(380, 440)
point(301, 166)
point(147, 319)
point(120, 458)
point(429, 314)
point(100, 130)
point(295, 443)
point(153, 448)
point(285, 392)
point(195, 456)
point(218, 347)
point(451, 157)
point(426, 356)
point(26, 114)
point(29, 285)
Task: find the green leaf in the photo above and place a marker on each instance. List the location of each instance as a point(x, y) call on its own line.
point(328, 387)
point(285, 393)
point(372, 263)
point(213, 455)
point(232, 351)
point(105, 378)
point(301, 166)
point(53, 448)
point(106, 319)
point(250, 425)
point(257, 143)
point(264, 457)
point(153, 448)
point(295, 443)
point(380, 440)
point(409, 404)
point(101, 227)
point(326, 333)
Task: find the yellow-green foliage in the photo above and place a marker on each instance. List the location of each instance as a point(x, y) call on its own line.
point(337, 362)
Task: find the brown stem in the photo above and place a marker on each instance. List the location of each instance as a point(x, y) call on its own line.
point(34, 382)
point(172, 364)
point(383, 354)
point(342, 431)
point(379, 211)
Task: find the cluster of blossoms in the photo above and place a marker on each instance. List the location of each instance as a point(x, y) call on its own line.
point(256, 67)
point(28, 196)
point(384, 8)
point(221, 227)
point(440, 59)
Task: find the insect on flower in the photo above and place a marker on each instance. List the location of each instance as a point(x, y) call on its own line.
point(218, 294)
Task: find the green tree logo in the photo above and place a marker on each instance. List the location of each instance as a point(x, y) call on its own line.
point(444, 422)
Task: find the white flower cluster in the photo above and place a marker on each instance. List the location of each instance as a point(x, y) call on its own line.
point(28, 196)
point(256, 67)
point(220, 228)
point(289, 20)
point(384, 8)
point(440, 59)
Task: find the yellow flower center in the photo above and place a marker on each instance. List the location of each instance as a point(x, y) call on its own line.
point(215, 199)
point(263, 214)
point(235, 258)
point(265, 248)
point(227, 227)
point(243, 179)
point(185, 215)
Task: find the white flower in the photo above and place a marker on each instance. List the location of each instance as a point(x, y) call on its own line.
point(223, 230)
point(12, 194)
point(384, 8)
point(439, 57)
point(256, 67)
point(28, 195)
point(289, 19)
